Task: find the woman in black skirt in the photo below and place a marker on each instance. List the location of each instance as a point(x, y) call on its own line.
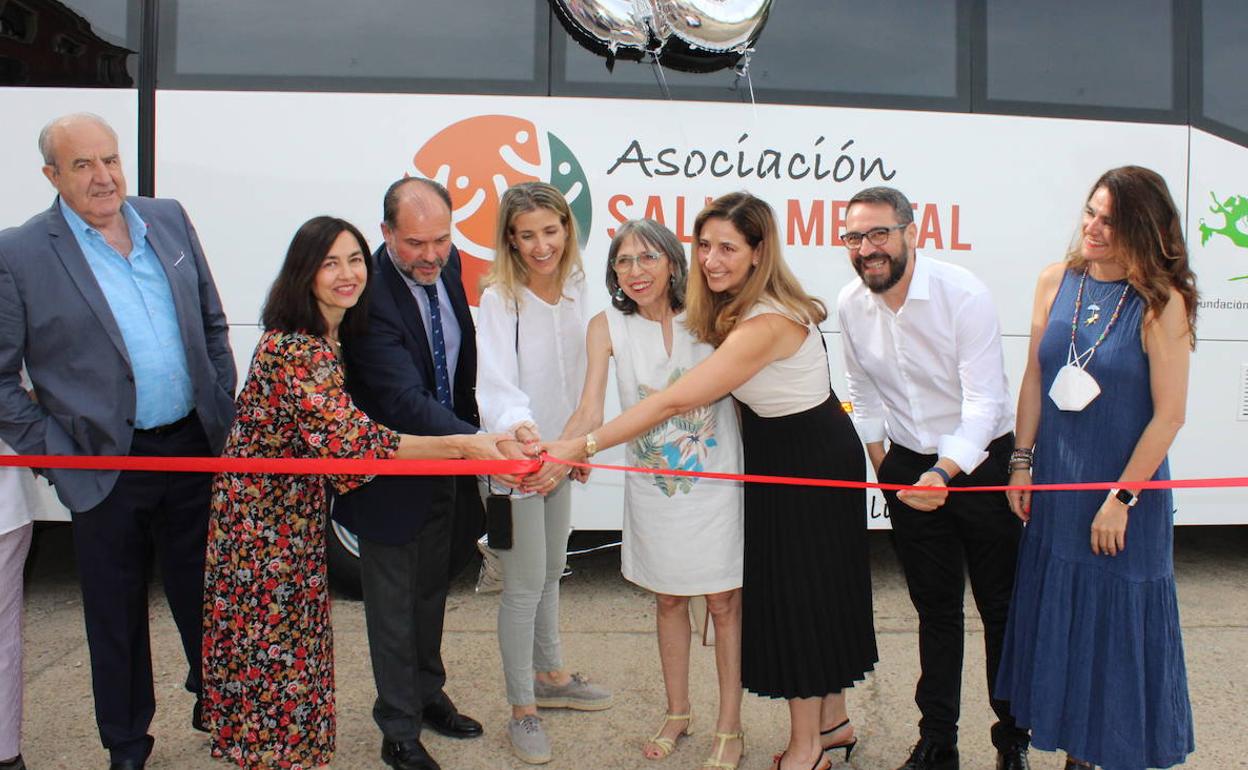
point(807, 629)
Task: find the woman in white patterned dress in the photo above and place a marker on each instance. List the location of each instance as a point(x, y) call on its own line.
point(682, 536)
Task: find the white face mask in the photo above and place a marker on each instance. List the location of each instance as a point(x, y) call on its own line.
point(1073, 388)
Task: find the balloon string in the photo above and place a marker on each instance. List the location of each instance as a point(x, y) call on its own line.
point(743, 71)
point(658, 73)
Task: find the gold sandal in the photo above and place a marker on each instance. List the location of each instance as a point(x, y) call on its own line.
point(668, 745)
point(716, 760)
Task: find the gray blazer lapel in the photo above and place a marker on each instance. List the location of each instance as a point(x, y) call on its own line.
point(67, 249)
point(174, 259)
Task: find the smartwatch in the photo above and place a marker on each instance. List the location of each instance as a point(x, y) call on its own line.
point(1125, 497)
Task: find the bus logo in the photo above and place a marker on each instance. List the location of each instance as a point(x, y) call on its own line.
point(477, 159)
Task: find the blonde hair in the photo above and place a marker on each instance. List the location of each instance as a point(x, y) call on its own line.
point(508, 272)
point(710, 316)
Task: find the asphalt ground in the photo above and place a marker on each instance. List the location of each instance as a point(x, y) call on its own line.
point(608, 633)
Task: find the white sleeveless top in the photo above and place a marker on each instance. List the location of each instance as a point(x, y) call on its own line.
point(792, 384)
point(682, 536)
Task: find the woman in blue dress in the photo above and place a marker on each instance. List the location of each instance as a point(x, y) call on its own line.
point(1093, 659)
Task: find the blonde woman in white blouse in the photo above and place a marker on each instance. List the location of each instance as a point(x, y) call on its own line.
point(531, 365)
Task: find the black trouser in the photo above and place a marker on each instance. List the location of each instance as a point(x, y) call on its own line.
point(113, 544)
point(404, 604)
point(972, 533)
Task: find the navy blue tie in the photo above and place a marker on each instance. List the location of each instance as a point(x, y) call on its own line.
point(440, 371)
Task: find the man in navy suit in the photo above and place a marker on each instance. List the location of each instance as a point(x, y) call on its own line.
point(414, 370)
point(109, 302)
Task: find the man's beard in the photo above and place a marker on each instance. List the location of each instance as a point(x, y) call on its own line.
point(882, 283)
point(410, 270)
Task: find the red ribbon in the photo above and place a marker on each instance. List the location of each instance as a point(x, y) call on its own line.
point(376, 467)
point(1230, 481)
point(282, 465)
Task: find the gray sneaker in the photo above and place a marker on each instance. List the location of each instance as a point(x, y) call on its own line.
point(529, 741)
point(577, 694)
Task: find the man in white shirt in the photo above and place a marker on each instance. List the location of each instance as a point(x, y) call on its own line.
point(925, 371)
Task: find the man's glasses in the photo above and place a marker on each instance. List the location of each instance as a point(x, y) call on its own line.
point(623, 263)
point(877, 235)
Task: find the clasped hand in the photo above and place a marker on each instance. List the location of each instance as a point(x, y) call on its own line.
point(545, 479)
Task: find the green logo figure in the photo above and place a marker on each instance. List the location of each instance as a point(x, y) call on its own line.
point(1234, 211)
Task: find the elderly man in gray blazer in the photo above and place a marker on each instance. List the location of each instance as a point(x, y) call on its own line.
point(109, 302)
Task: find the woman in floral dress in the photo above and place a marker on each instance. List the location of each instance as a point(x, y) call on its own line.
point(268, 646)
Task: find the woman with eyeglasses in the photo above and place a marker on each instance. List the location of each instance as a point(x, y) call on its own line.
point(682, 535)
point(807, 630)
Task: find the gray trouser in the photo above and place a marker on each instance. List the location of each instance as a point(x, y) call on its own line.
point(14, 546)
point(528, 617)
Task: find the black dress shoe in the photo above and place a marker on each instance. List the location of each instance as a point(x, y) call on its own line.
point(197, 716)
point(930, 755)
point(127, 764)
point(15, 763)
point(407, 755)
point(1013, 758)
point(451, 723)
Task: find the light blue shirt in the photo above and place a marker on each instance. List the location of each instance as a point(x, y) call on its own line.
point(451, 333)
point(141, 299)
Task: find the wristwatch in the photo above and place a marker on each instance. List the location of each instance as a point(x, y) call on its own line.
point(1125, 497)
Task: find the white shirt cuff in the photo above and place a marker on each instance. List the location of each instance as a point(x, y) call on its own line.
point(870, 429)
point(964, 453)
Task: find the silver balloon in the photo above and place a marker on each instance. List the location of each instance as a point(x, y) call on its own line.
point(717, 26)
point(692, 35)
point(613, 24)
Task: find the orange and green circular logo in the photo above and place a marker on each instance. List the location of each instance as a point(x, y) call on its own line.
point(477, 159)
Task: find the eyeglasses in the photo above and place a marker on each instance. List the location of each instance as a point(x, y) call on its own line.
point(647, 260)
point(877, 235)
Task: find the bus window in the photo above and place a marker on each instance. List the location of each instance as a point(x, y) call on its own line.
point(887, 53)
point(1223, 29)
point(369, 45)
point(1124, 60)
point(74, 43)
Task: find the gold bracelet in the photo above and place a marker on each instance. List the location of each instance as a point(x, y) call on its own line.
point(591, 445)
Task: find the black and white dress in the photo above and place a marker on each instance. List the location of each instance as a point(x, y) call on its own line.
point(807, 627)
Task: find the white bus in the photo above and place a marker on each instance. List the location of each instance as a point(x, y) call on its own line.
point(995, 116)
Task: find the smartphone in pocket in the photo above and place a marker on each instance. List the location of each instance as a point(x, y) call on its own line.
point(498, 521)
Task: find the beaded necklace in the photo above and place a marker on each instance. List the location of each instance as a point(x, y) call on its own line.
point(1085, 357)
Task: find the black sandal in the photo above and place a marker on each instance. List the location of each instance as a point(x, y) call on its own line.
point(847, 745)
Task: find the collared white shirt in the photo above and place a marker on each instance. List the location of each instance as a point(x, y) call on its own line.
point(930, 377)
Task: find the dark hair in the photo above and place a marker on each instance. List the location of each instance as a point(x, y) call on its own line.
point(1148, 239)
point(390, 203)
point(652, 235)
point(887, 195)
point(291, 305)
